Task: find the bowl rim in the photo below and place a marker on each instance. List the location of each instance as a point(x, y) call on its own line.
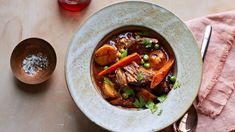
point(104, 8)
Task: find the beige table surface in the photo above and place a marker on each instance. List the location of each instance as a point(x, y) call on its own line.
point(49, 107)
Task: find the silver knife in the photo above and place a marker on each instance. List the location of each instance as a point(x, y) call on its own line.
point(205, 41)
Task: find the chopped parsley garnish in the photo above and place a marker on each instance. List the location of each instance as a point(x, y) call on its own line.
point(176, 84)
point(151, 105)
point(162, 98)
point(147, 43)
point(140, 76)
point(160, 112)
point(107, 81)
point(128, 91)
point(124, 54)
point(139, 103)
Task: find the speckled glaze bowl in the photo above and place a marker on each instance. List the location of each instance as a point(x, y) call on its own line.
point(87, 96)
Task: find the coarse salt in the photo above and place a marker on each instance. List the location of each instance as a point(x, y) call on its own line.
point(34, 63)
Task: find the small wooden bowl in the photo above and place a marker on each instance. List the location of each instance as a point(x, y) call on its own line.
point(32, 46)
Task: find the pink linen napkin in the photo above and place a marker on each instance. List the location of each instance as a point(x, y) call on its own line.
point(218, 81)
point(218, 68)
point(216, 98)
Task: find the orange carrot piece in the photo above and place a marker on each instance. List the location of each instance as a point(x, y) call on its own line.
point(160, 74)
point(125, 61)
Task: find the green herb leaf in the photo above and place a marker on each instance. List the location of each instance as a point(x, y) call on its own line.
point(142, 102)
point(107, 81)
point(160, 112)
point(151, 105)
point(124, 54)
point(147, 43)
point(140, 76)
point(176, 84)
point(139, 103)
point(162, 98)
point(128, 91)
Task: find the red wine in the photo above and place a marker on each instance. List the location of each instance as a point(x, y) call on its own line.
point(74, 5)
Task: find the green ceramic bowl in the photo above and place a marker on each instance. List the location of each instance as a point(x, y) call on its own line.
point(87, 96)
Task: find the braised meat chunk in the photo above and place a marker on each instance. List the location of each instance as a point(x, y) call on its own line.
point(136, 73)
point(121, 77)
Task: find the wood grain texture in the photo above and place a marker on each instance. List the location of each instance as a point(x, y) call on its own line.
point(48, 106)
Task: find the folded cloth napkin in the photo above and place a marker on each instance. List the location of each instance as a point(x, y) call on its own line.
point(218, 81)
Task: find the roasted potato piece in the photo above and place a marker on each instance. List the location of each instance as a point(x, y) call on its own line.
point(109, 90)
point(146, 95)
point(105, 55)
point(157, 59)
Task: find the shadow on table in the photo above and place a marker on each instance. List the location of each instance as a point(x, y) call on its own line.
point(92, 127)
point(33, 89)
point(82, 122)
